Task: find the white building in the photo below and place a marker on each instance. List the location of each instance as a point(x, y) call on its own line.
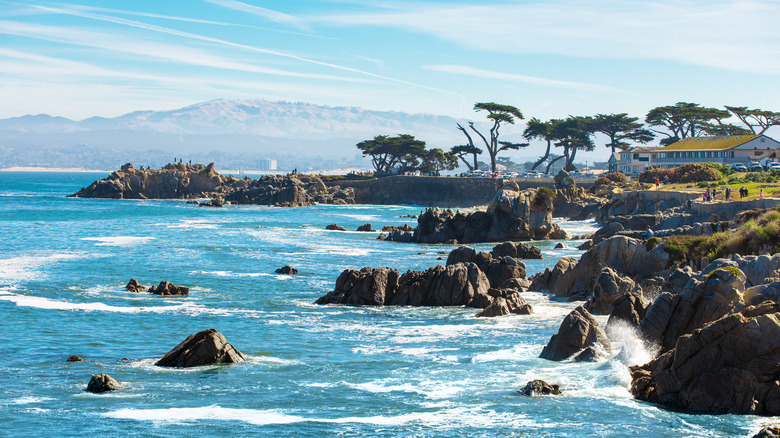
point(266, 164)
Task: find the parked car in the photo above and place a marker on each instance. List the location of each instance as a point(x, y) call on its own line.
point(773, 166)
point(739, 167)
point(755, 166)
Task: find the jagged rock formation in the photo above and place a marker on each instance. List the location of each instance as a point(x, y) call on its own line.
point(102, 383)
point(499, 268)
point(626, 256)
point(629, 308)
point(768, 432)
point(462, 284)
point(511, 216)
point(133, 286)
point(167, 288)
point(609, 287)
point(207, 347)
point(700, 302)
point(727, 366)
point(183, 181)
point(579, 332)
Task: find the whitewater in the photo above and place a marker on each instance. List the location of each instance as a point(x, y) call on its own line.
point(311, 370)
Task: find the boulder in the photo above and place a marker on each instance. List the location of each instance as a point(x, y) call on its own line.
point(213, 202)
point(504, 269)
point(625, 255)
point(768, 432)
point(498, 268)
point(518, 284)
point(207, 347)
point(102, 383)
point(166, 288)
point(365, 227)
point(334, 227)
point(563, 180)
point(561, 245)
point(727, 366)
point(74, 358)
point(700, 302)
point(609, 287)
point(287, 270)
point(578, 331)
point(133, 286)
point(517, 250)
point(629, 308)
point(535, 387)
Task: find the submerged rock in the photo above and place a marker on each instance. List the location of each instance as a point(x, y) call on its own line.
point(74, 358)
point(535, 387)
point(102, 383)
point(207, 347)
point(365, 227)
point(287, 270)
point(334, 227)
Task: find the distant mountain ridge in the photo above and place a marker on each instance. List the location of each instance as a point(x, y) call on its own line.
point(254, 117)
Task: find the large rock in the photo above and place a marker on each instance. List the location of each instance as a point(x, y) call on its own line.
point(511, 216)
point(462, 284)
point(207, 347)
point(626, 256)
point(133, 286)
point(578, 331)
point(517, 250)
point(167, 288)
point(287, 270)
point(629, 308)
point(768, 432)
point(102, 383)
point(728, 366)
point(180, 180)
point(608, 288)
point(499, 265)
point(700, 302)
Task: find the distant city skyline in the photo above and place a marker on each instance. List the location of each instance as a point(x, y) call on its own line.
point(79, 59)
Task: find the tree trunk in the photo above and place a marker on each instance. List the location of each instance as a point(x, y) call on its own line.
point(549, 165)
point(471, 143)
point(544, 157)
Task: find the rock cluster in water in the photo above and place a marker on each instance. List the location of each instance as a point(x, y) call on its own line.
point(487, 280)
point(164, 288)
point(513, 215)
point(183, 181)
point(102, 383)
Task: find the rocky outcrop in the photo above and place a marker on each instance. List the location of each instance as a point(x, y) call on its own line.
point(166, 288)
point(334, 227)
point(74, 358)
point(462, 284)
point(579, 332)
point(287, 270)
point(511, 216)
point(213, 202)
point(198, 181)
point(500, 265)
point(365, 227)
point(207, 347)
point(133, 286)
point(700, 302)
point(625, 255)
point(539, 387)
point(608, 288)
point(629, 309)
point(102, 383)
point(768, 432)
point(727, 366)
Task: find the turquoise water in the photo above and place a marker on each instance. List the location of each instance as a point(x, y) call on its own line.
point(311, 370)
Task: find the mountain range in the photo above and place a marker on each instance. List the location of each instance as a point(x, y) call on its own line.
point(234, 132)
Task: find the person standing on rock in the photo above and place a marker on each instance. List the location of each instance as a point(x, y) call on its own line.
point(648, 234)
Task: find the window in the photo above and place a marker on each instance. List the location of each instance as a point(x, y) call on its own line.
point(636, 156)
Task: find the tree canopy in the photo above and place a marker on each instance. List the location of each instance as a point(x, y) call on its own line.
point(572, 134)
point(499, 114)
point(619, 128)
point(402, 152)
point(463, 150)
point(537, 129)
point(756, 120)
point(684, 119)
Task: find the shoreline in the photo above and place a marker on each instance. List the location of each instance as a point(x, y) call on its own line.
point(52, 169)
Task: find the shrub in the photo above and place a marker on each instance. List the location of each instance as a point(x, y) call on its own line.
point(610, 178)
point(543, 196)
point(731, 269)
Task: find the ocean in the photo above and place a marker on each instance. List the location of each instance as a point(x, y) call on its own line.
point(311, 370)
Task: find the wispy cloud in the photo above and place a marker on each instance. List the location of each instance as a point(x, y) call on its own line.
point(277, 53)
point(491, 74)
point(737, 35)
point(269, 14)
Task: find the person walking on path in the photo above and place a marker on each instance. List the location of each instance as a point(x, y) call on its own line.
point(657, 182)
point(761, 194)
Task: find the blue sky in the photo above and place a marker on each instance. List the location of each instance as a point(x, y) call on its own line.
point(548, 58)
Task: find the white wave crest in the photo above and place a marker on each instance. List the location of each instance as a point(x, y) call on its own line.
point(26, 268)
point(118, 240)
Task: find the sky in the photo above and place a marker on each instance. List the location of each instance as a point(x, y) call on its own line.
point(550, 59)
